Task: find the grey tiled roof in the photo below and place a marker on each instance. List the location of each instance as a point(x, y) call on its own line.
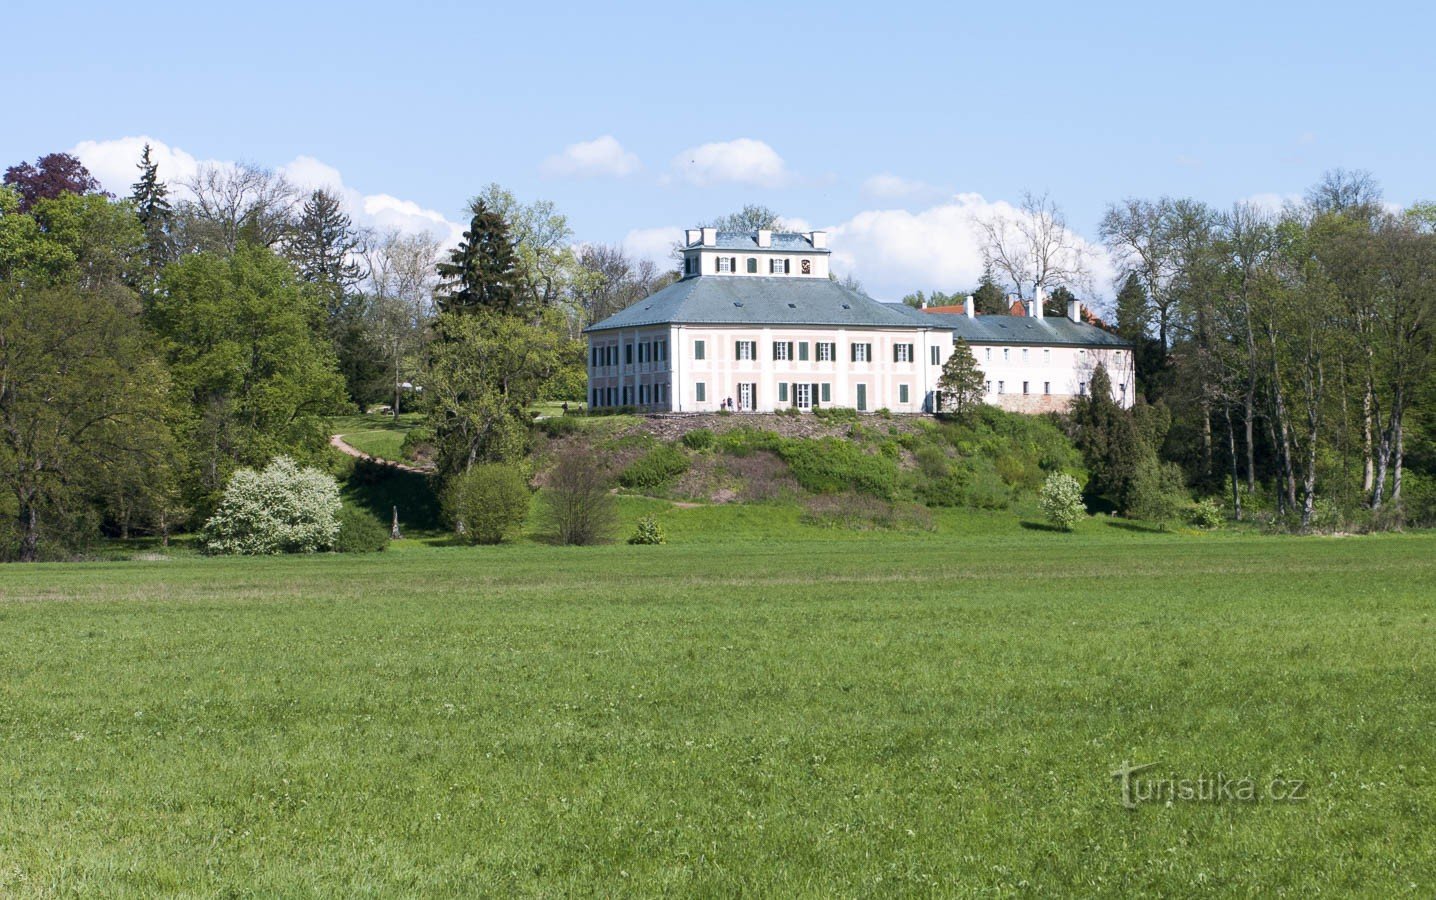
point(758, 300)
point(1014, 329)
point(748, 240)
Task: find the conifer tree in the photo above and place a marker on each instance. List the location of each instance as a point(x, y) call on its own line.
point(152, 207)
point(323, 244)
point(962, 383)
point(480, 273)
point(989, 298)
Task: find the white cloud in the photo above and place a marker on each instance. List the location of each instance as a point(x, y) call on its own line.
point(653, 243)
point(113, 163)
point(587, 159)
point(889, 187)
point(897, 251)
point(1271, 202)
point(741, 161)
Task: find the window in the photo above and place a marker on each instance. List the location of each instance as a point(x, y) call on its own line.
point(725, 264)
point(987, 388)
point(782, 350)
point(1082, 388)
point(827, 351)
point(747, 350)
point(902, 353)
point(827, 393)
point(1047, 356)
point(627, 395)
point(698, 350)
point(662, 349)
point(1024, 354)
point(782, 392)
point(803, 395)
point(700, 392)
point(1123, 388)
point(802, 351)
point(778, 266)
point(1024, 387)
point(989, 354)
point(807, 267)
point(1001, 385)
point(1046, 387)
point(752, 266)
point(936, 355)
point(862, 352)
point(902, 393)
point(643, 353)
point(1006, 353)
point(628, 354)
point(690, 265)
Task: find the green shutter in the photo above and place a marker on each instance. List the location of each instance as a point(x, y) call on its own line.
point(697, 349)
point(827, 393)
point(702, 391)
point(802, 351)
point(782, 392)
point(902, 393)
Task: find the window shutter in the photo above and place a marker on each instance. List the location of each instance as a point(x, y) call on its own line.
point(813, 397)
point(897, 352)
point(790, 349)
point(782, 392)
point(827, 393)
point(802, 351)
point(853, 352)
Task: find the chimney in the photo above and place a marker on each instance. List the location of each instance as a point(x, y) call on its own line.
point(1074, 309)
point(710, 237)
point(819, 239)
point(765, 237)
point(693, 235)
point(969, 308)
point(1037, 303)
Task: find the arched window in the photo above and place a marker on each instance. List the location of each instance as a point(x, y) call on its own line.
point(807, 267)
point(752, 265)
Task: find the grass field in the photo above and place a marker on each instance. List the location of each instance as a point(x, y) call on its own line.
point(376, 435)
point(932, 714)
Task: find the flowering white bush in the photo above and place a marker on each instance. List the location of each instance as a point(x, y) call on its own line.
point(283, 509)
point(1061, 500)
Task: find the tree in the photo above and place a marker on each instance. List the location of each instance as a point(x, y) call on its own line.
point(480, 273)
point(1346, 191)
point(1034, 249)
point(237, 204)
point(401, 280)
point(1061, 500)
point(962, 384)
point(577, 504)
point(989, 298)
point(150, 197)
point(82, 408)
point(613, 281)
point(487, 503)
point(248, 370)
point(752, 217)
point(483, 376)
point(52, 176)
point(545, 265)
point(326, 250)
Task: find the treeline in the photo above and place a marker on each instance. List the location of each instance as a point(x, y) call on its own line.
point(151, 345)
point(1292, 351)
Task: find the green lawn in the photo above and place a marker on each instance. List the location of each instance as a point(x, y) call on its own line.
point(774, 713)
point(377, 435)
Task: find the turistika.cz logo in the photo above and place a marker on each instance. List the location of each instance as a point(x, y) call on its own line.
point(1140, 786)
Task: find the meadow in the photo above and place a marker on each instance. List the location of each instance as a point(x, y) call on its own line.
point(759, 707)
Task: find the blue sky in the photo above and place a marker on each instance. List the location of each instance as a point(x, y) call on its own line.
point(865, 118)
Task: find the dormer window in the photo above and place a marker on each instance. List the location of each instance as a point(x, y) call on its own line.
point(752, 265)
point(778, 266)
point(807, 267)
point(725, 264)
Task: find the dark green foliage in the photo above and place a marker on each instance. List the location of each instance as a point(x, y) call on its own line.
point(480, 273)
point(360, 532)
point(558, 426)
point(488, 503)
point(699, 439)
point(655, 468)
point(829, 465)
point(150, 197)
point(989, 298)
point(836, 414)
point(962, 383)
point(382, 489)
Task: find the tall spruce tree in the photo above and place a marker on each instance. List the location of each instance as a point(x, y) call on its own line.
point(962, 383)
point(323, 244)
point(152, 206)
point(989, 298)
point(480, 273)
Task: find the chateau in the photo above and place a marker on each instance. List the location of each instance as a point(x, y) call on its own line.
point(755, 324)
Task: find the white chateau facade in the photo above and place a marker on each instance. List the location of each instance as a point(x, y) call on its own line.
point(755, 324)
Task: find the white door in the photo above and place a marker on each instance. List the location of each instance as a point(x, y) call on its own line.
point(745, 396)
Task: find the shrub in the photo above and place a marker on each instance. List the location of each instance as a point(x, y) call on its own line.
point(1156, 492)
point(1207, 513)
point(884, 413)
point(699, 439)
point(282, 509)
point(487, 503)
point(829, 465)
point(836, 414)
point(655, 468)
point(860, 512)
point(791, 412)
point(1061, 500)
point(577, 503)
point(558, 426)
point(418, 443)
point(360, 532)
point(648, 532)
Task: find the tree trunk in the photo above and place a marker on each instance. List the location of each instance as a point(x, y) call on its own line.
point(1232, 450)
point(29, 530)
